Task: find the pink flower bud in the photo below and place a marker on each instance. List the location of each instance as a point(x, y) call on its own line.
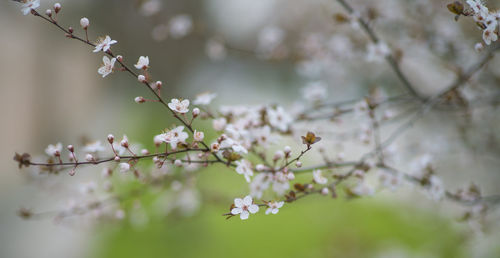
point(196, 112)
point(298, 164)
point(57, 7)
point(111, 138)
point(141, 78)
point(324, 191)
point(178, 162)
point(71, 148)
point(119, 58)
point(139, 100)
point(84, 22)
point(48, 12)
point(89, 157)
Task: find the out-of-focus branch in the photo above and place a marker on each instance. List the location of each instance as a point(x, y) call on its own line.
point(391, 60)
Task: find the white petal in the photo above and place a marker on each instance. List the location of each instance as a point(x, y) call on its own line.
point(268, 210)
point(253, 208)
point(238, 202)
point(275, 211)
point(235, 211)
point(248, 200)
point(244, 215)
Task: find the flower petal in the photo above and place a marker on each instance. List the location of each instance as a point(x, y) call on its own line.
point(253, 208)
point(235, 211)
point(248, 200)
point(244, 215)
point(238, 202)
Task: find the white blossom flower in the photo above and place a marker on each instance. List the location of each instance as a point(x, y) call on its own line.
point(259, 184)
point(54, 150)
point(377, 52)
point(175, 136)
point(204, 98)
point(104, 44)
point(244, 167)
point(315, 91)
point(124, 167)
point(179, 106)
point(278, 118)
point(107, 66)
point(244, 207)
point(219, 124)
point(28, 5)
point(198, 136)
point(180, 26)
point(319, 178)
point(215, 50)
point(235, 145)
point(489, 35)
point(142, 63)
point(94, 147)
point(363, 189)
point(274, 207)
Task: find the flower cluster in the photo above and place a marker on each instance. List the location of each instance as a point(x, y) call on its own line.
point(265, 145)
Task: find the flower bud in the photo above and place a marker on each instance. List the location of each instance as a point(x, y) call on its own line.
point(260, 167)
point(84, 22)
point(139, 100)
point(158, 84)
point(141, 78)
point(144, 152)
point(117, 158)
point(325, 191)
point(72, 172)
point(298, 164)
point(71, 148)
point(57, 7)
point(214, 147)
point(198, 136)
point(287, 150)
point(111, 138)
point(290, 176)
point(124, 167)
point(196, 112)
point(119, 58)
point(71, 30)
point(48, 12)
point(89, 157)
point(178, 162)
point(479, 47)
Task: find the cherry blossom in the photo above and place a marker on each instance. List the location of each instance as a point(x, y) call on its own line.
point(204, 98)
point(179, 106)
point(142, 63)
point(29, 5)
point(274, 207)
point(104, 44)
point(244, 167)
point(244, 207)
point(319, 178)
point(107, 66)
point(54, 150)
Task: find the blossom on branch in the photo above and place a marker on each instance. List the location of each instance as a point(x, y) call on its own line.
point(244, 207)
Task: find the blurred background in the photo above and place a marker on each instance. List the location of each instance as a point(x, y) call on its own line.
point(51, 92)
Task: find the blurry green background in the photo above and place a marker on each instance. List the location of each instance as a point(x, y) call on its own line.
point(50, 92)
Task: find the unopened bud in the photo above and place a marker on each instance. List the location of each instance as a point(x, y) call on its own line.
point(298, 164)
point(70, 29)
point(71, 148)
point(196, 112)
point(178, 162)
point(84, 22)
point(139, 100)
point(325, 191)
point(57, 7)
point(158, 84)
point(111, 138)
point(119, 58)
point(287, 150)
point(48, 12)
point(144, 152)
point(260, 167)
point(117, 158)
point(141, 78)
point(89, 157)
